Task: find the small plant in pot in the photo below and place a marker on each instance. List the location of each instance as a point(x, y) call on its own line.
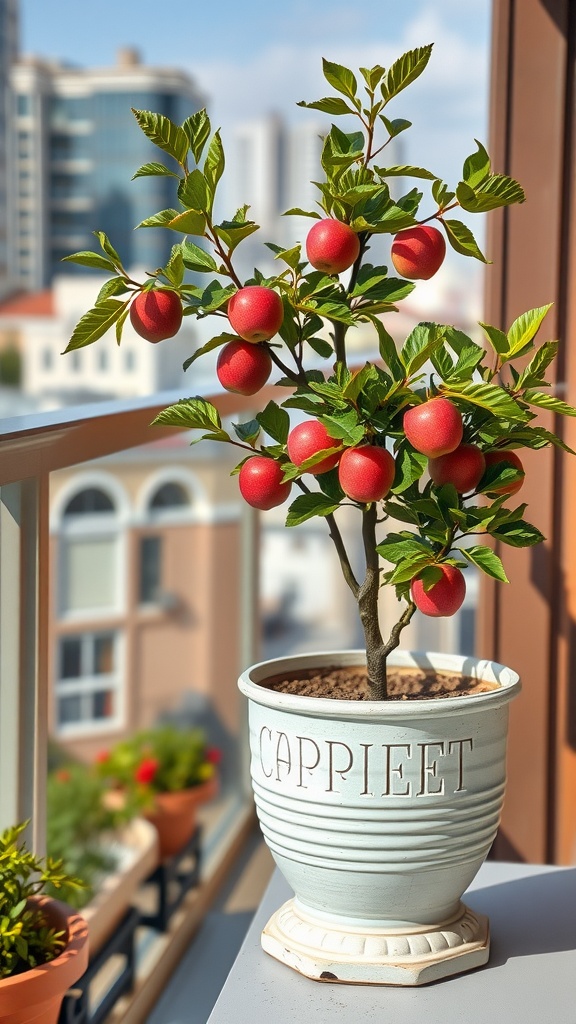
point(380, 796)
point(165, 773)
point(43, 942)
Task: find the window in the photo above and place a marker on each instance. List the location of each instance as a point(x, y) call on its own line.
point(47, 359)
point(23, 105)
point(170, 495)
point(150, 563)
point(87, 690)
point(89, 565)
point(103, 360)
point(91, 499)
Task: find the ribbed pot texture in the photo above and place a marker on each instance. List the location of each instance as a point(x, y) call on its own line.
point(379, 813)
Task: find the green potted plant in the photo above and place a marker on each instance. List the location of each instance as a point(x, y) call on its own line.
point(43, 942)
point(378, 774)
point(164, 773)
point(101, 842)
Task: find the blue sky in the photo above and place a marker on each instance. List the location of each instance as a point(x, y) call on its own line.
point(253, 57)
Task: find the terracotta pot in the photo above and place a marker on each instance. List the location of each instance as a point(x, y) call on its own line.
point(174, 815)
point(379, 814)
point(35, 997)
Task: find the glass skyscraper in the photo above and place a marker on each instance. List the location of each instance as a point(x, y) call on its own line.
point(77, 145)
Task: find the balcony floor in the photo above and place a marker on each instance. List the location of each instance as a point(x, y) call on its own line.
point(196, 984)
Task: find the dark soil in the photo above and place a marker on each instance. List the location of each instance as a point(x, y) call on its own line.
point(351, 683)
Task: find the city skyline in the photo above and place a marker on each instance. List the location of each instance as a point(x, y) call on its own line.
point(256, 60)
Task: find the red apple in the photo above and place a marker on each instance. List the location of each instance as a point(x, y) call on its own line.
point(433, 428)
point(464, 467)
point(444, 597)
point(307, 438)
point(366, 473)
point(332, 246)
point(243, 367)
point(255, 313)
point(418, 252)
point(156, 315)
point(260, 482)
point(492, 458)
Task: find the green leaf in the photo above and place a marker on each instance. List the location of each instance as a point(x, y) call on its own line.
point(120, 323)
point(91, 259)
point(163, 133)
point(328, 105)
point(233, 232)
point(499, 475)
point(214, 164)
point(275, 422)
point(197, 259)
point(462, 240)
point(408, 570)
point(541, 360)
point(330, 310)
point(373, 76)
point(524, 329)
point(295, 211)
point(154, 170)
point(400, 547)
point(216, 342)
point(193, 192)
point(419, 346)
point(321, 347)
point(248, 432)
point(290, 256)
point(545, 401)
point(488, 396)
point(308, 505)
point(495, 191)
point(197, 131)
point(95, 323)
point(404, 71)
point(192, 413)
point(476, 167)
point(340, 78)
point(108, 248)
point(497, 339)
point(402, 513)
point(344, 427)
point(441, 194)
point(430, 575)
point(189, 223)
point(519, 534)
point(410, 466)
point(406, 171)
point(215, 296)
point(388, 350)
point(486, 560)
point(159, 220)
point(174, 269)
point(114, 286)
point(395, 126)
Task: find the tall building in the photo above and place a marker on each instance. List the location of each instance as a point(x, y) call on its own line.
point(76, 147)
point(8, 52)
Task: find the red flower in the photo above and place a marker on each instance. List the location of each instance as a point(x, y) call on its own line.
point(102, 757)
point(146, 770)
point(63, 775)
point(213, 755)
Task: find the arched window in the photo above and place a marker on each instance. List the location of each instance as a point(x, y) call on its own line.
point(88, 501)
point(170, 495)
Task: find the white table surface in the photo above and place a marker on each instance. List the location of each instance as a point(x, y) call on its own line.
point(529, 979)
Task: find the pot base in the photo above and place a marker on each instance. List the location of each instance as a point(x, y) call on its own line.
point(374, 956)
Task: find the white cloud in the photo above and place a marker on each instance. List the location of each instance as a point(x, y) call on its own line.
point(448, 104)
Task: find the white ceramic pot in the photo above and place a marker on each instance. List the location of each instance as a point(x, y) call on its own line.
point(379, 815)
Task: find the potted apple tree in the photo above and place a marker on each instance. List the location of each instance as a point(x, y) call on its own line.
point(378, 774)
